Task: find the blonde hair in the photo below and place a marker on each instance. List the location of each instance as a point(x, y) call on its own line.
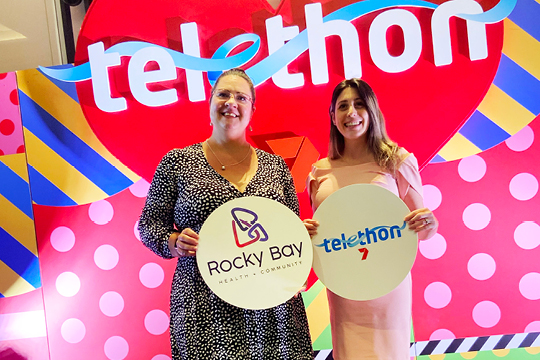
point(240, 73)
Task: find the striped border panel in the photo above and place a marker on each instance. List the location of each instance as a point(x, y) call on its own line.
point(453, 346)
point(511, 102)
point(67, 164)
point(19, 264)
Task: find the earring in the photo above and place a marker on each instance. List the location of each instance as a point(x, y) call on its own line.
point(211, 124)
point(250, 128)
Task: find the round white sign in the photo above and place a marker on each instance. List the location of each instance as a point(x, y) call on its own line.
point(254, 253)
point(363, 248)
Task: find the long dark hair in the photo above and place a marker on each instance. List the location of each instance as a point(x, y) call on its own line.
point(379, 144)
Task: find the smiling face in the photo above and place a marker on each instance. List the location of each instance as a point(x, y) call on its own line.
point(231, 107)
point(351, 116)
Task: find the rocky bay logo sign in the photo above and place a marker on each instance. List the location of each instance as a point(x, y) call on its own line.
point(254, 230)
point(362, 232)
point(262, 260)
point(143, 70)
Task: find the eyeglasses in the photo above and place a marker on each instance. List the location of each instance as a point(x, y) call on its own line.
point(225, 95)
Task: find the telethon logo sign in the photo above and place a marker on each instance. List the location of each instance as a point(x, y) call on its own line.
point(363, 249)
point(143, 69)
point(254, 253)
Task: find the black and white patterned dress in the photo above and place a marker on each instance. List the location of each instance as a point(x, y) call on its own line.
point(185, 191)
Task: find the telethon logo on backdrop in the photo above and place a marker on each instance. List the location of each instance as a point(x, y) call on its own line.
point(363, 248)
point(254, 252)
point(143, 72)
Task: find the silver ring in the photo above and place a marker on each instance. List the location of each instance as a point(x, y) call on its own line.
point(426, 222)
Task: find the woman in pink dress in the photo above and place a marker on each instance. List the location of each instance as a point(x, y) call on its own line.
point(360, 152)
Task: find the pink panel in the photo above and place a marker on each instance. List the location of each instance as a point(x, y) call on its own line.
point(487, 249)
point(11, 133)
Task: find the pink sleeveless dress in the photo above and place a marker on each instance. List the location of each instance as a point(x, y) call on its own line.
point(376, 329)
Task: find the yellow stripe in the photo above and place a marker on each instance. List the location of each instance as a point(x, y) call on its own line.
point(60, 172)
point(18, 225)
point(11, 283)
point(522, 48)
point(17, 163)
point(457, 148)
point(504, 111)
point(67, 111)
point(318, 315)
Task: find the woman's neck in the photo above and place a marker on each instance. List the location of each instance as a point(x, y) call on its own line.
point(229, 143)
point(357, 151)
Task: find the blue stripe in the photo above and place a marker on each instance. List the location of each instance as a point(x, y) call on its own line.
point(519, 84)
point(19, 259)
point(1, 296)
point(526, 15)
point(437, 159)
point(71, 148)
point(15, 189)
point(45, 192)
point(68, 87)
point(483, 132)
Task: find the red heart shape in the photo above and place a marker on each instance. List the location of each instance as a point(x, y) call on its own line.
point(424, 105)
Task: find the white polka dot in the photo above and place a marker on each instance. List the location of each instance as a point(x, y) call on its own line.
point(441, 334)
point(432, 197)
point(523, 186)
point(161, 357)
point(62, 239)
point(437, 295)
point(472, 168)
point(433, 248)
point(522, 140)
point(136, 230)
point(481, 266)
point(527, 235)
point(529, 286)
point(116, 348)
point(486, 314)
point(151, 275)
point(476, 216)
point(73, 330)
point(532, 327)
point(101, 212)
point(68, 284)
point(111, 303)
point(106, 257)
point(156, 322)
point(140, 188)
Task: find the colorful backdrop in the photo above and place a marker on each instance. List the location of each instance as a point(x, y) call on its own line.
point(75, 281)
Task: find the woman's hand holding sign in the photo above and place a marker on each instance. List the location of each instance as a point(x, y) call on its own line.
point(421, 220)
point(183, 243)
point(311, 226)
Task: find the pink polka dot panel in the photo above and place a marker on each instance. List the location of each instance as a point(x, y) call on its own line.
point(484, 257)
point(11, 132)
point(106, 294)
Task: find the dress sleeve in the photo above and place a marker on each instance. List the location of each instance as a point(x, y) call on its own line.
point(408, 175)
point(156, 223)
point(289, 190)
point(310, 181)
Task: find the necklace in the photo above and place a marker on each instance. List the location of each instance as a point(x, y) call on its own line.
point(222, 165)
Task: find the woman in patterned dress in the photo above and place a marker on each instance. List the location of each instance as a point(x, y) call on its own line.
point(361, 152)
point(188, 185)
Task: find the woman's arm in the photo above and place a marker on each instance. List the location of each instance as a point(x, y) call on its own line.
point(420, 219)
point(156, 223)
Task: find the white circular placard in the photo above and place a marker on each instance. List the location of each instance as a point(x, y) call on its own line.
point(254, 253)
point(363, 248)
